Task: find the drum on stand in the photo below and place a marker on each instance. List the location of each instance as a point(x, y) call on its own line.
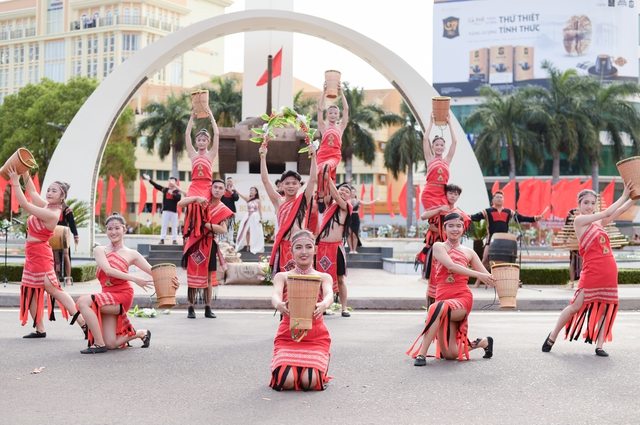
point(503, 248)
point(61, 238)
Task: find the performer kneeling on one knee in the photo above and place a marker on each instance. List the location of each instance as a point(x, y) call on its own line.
point(301, 365)
point(106, 312)
point(447, 318)
point(595, 302)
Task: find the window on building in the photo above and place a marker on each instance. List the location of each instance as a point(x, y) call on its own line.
point(94, 68)
point(181, 175)
point(365, 178)
point(162, 174)
point(79, 47)
point(127, 16)
point(136, 16)
point(109, 18)
point(4, 32)
point(55, 17)
point(54, 53)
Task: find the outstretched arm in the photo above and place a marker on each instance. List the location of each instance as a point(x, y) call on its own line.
point(311, 185)
point(274, 196)
point(367, 203)
point(321, 109)
point(31, 190)
point(345, 110)
point(426, 143)
point(454, 141)
point(216, 137)
point(187, 137)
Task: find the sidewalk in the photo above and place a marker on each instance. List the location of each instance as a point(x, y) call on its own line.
point(367, 289)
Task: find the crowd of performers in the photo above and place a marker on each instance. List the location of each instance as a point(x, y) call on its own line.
point(312, 222)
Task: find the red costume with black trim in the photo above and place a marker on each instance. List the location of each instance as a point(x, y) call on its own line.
point(433, 194)
point(309, 355)
point(453, 293)
point(288, 214)
point(200, 252)
point(327, 253)
point(38, 263)
point(200, 186)
point(329, 153)
point(114, 292)
point(599, 282)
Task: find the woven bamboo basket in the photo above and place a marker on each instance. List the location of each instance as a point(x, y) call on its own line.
point(440, 106)
point(302, 292)
point(507, 283)
point(629, 170)
point(22, 160)
point(332, 79)
point(200, 101)
point(162, 275)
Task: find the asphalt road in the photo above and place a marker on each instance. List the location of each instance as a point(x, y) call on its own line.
point(217, 372)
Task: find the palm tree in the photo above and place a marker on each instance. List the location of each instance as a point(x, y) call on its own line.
point(611, 112)
point(403, 151)
point(225, 101)
point(503, 119)
point(357, 139)
point(305, 106)
point(165, 128)
point(559, 114)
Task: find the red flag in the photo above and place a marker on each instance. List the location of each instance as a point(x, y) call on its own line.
point(509, 191)
point(179, 208)
point(99, 190)
point(112, 185)
point(527, 199)
point(544, 197)
point(123, 197)
point(276, 70)
point(607, 195)
point(495, 187)
point(143, 196)
point(417, 189)
point(154, 196)
point(371, 198)
point(556, 191)
point(587, 185)
point(403, 201)
point(3, 188)
point(15, 206)
point(361, 211)
point(36, 183)
point(390, 200)
point(566, 198)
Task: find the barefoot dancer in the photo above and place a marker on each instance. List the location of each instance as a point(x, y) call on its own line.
point(290, 210)
point(330, 152)
point(106, 312)
point(39, 274)
point(301, 365)
point(447, 319)
point(595, 302)
point(331, 257)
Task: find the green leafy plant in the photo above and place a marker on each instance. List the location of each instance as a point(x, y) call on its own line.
point(145, 313)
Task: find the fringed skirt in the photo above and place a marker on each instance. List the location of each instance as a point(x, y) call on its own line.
point(594, 308)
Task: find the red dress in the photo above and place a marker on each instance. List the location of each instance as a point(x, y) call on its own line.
point(452, 293)
point(433, 194)
point(195, 217)
point(599, 282)
point(312, 352)
point(38, 263)
point(330, 152)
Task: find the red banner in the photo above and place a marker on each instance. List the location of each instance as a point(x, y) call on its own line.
point(545, 198)
point(361, 210)
point(15, 206)
point(99, 190)
point(527, 199)
point(123, 197)
point(112, 185)
point(143, 196)
point(495, 187)
point(607, 195)
point(154, 196)
point(3, 188)
point(36, 183)
point(509, 192)
point(417, 189)
point(390, 200)
point(371, 198)
point(276, 69)
point(403, 201)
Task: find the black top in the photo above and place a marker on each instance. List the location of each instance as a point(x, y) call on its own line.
point(170, 198)
point(229, 199)
point(498, 222)
point(69, 221)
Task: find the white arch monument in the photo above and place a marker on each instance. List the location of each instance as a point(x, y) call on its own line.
point(79, 152)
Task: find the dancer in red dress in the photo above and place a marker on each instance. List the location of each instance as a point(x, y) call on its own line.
point(433, 194)
point(303, 364)
point(330, 151)
point(201, 173)
point(39, 274)
point(447, 318)
point(291, 210)
point(595, 302)
point(106, 312)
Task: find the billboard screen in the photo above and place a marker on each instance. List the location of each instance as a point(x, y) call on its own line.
point(504, 42)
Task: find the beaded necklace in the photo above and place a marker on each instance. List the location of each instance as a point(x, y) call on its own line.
point(305, 271)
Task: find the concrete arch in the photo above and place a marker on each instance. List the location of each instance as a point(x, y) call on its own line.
point(78, 155)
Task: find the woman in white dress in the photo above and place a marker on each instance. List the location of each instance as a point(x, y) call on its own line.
point(250, 232)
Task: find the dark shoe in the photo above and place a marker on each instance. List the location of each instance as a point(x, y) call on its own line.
point(94, 349)
point(346, 314)
point(191, 314)
point(175, 242)
point(36, 334)
point(420, 360)
point(601, 353)
point(146, 341)
point(208, 313)
point(488, 351)
point(548, 344)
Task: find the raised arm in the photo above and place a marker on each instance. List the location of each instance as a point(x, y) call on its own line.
point(313, 171)
point(618, 212)
point(321, 108)
point(342, 204)
point(345, 110)
point(187, 137)
point(454, 141)
point(216, 137)
point(367, 203)
point(426, 143)
point(274, 196)
point(49, 217)
point(245, 198)
point(37, 199)
point(583, 220)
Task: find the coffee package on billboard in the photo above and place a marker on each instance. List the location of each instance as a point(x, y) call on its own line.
point(523, 63)
point(479, 65)
point(501, 65)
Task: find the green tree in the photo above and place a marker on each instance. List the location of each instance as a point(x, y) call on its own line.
point(403, 151)
point(306, 105)
point(504, 118)
point(165, 128)
point(225, 101)
point(80, 211)
point(119, 154)
point(357, 139)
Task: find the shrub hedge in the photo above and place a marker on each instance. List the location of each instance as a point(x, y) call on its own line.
point(560, 276)
point(80, 273)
